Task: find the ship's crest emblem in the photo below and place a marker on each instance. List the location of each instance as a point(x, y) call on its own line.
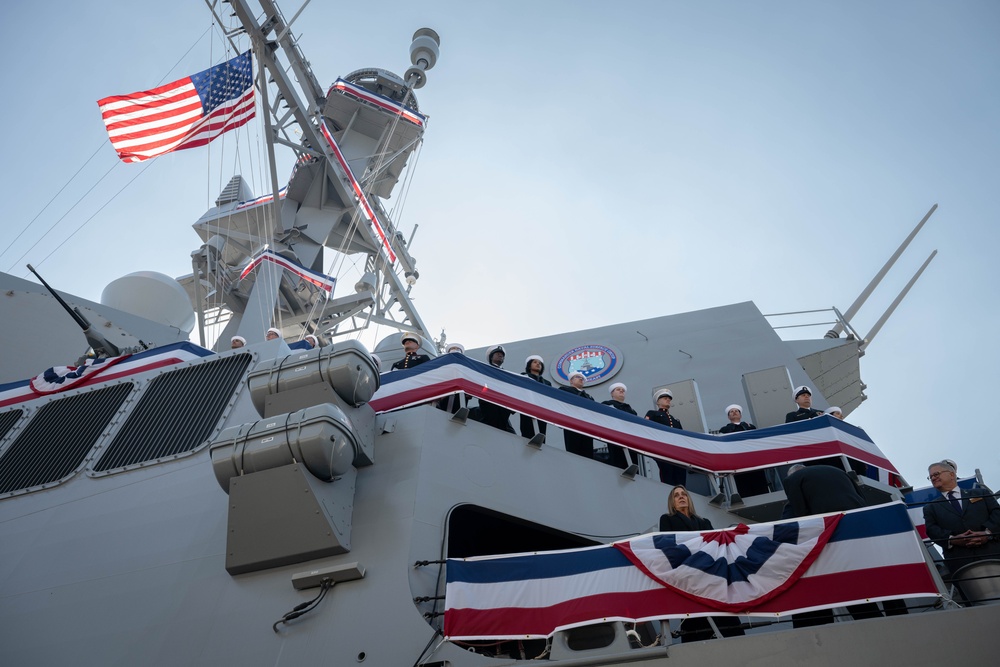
point(597, 363)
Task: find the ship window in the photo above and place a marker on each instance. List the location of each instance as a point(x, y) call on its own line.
point(477, 531)
point(177, 413)
point(56, 441)
point(7, 421)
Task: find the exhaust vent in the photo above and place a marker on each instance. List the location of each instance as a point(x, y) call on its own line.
point(57, 439)
point(176, 414)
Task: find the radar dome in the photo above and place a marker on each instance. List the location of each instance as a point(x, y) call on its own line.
point(153, 296)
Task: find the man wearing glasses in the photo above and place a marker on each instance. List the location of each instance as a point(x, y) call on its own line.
point(966, 522)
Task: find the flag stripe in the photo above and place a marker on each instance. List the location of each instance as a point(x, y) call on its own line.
point(182, 114)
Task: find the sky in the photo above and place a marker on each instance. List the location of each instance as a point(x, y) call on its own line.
point(588, 163)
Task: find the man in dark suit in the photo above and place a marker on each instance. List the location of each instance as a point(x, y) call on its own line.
point(820, 489)
point(965, 523)
point(803, 399)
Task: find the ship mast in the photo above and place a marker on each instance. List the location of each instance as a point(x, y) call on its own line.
point(351, 157)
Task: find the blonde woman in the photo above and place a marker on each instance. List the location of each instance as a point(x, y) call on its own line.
point(681, 515)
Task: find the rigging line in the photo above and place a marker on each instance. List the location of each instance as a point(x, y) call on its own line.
point(162, 79)
point(63, 216)
point(65, 185)
point(94, 214)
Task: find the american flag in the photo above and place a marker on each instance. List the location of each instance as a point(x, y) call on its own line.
point(186, 113)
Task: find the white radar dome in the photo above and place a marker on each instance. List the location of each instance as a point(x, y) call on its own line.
point(151, 295)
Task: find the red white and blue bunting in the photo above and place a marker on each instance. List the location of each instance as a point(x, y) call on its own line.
point(846, 558)
point(321, 280)
point(384, 103)
point(96, 372)
point(767, 447)
point(366, 207)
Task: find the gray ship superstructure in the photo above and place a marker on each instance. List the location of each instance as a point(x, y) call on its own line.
point(269, 504)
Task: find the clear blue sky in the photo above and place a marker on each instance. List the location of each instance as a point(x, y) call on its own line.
point(649, 157)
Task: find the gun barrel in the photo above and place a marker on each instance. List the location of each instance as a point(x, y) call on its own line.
point(94, 339)
point(75, 314)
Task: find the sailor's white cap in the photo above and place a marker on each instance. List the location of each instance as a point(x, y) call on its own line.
point(494, 349)
point(575, 373)
point(616, 385)
point(834, 408)
point(238, 338)
point(315, 340)
point(455, 347)
point(803, 390)
point(409, 336)
point(273, 330)
point(536, 358)
point(664, 392)
point(734, 407)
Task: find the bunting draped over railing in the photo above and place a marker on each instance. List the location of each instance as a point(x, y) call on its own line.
point(366, 207)
point(110, 369)
point(321, 280)
point(777, 445)
point(357, 92)
point(761, 570)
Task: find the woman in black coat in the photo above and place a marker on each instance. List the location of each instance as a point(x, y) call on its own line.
point(681, 517)
point(680, 514)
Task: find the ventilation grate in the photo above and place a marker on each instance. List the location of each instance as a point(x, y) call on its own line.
point(58, 438)
point(7, 421)
point(178, 411)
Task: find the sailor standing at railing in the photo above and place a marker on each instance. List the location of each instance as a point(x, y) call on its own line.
point(734, 413)
point(616, 454)
point(803, 399)
point(490, 413)
point(670, 473)
point(577, 443)
point(534, 367)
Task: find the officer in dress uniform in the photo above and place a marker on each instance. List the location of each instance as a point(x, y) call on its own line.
point(616, 455)
point(577, 443)
point(803, 398)
point(670, 473)
point(661, 415)
point(411, 343)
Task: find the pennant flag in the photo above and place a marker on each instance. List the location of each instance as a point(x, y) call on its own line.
point(316, 278)
point(762, 570)
point(62, 378)
point(366, 207)
point(186, 113)
point(384, 103)
point(750, 450)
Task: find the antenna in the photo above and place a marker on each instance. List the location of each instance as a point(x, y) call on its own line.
point(896, 302)
point(852, 311)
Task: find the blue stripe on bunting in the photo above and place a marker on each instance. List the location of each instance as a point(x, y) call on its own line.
point(536, 566)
